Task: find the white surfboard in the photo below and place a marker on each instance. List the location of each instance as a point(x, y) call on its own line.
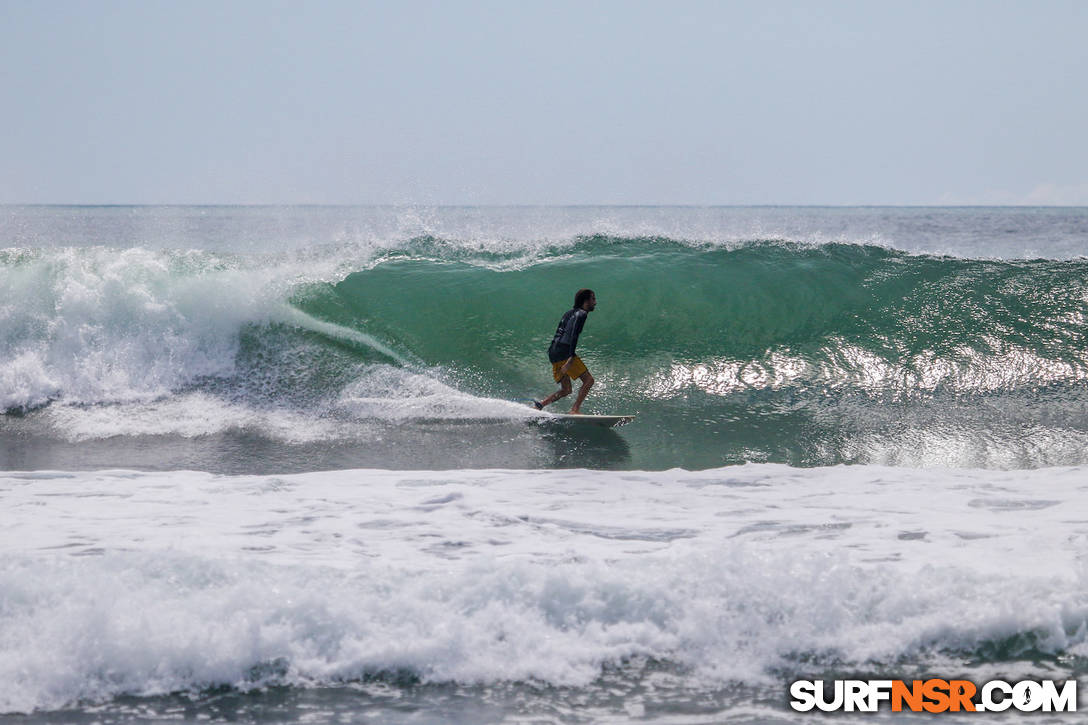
point(605, 421)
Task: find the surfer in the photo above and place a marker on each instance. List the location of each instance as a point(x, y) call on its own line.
point(565, 364)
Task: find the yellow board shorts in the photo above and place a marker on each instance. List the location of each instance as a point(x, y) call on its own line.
point(576, 370)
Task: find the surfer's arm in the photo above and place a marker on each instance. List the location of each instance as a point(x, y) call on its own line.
point(579, 323)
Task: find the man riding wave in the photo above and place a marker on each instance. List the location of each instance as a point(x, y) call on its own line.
point(565, 363)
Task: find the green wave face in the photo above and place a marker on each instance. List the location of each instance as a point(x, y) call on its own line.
point(767, 351)
point(837, 315)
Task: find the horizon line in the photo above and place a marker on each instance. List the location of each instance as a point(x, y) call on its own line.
point(403, 205)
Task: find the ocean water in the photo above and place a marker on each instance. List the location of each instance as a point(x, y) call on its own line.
point(274, 464)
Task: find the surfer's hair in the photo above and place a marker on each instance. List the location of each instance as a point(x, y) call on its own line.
point(581, 296)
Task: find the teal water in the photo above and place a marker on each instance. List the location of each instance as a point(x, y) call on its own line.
point(767, 350)
point(441, 554)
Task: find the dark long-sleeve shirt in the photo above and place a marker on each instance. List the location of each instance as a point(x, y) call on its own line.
point(566, 335)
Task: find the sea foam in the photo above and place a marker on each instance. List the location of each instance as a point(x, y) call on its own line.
point(105, 325)
point(141, 583)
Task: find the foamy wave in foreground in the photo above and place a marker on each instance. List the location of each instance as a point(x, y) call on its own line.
point(142, 583)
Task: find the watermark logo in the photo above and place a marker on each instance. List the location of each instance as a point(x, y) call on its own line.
point(933, 695)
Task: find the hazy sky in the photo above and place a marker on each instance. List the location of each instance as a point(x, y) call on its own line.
point(544, 102)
